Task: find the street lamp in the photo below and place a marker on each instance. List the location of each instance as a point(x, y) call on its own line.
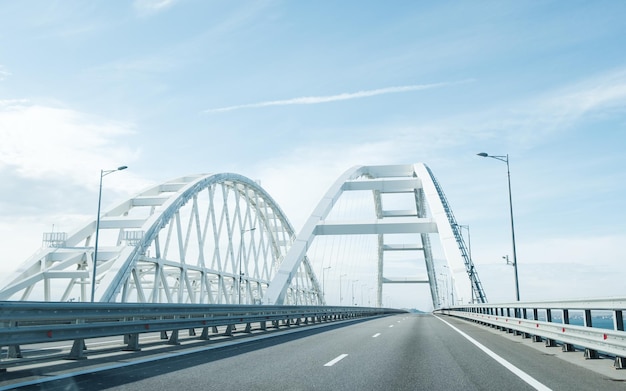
point(508, 173)
point(324, 281)
point(243, 231)
point(512, 263)
point(340, 291)
point(469, 250)
point(103, 173)
point(444, 278)
point(353, 302)
point(362, 286)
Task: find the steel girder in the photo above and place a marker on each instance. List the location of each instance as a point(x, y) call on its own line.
point(215, 239)
point(430, 215)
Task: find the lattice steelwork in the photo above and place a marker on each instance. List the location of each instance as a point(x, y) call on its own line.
point(196, 239)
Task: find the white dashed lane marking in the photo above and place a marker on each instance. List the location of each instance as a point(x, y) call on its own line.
point(335, 360)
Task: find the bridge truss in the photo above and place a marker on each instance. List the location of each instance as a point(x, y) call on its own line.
point(214, 239)
point(221, 239)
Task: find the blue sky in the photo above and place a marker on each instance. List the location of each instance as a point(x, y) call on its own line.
point(294, 93)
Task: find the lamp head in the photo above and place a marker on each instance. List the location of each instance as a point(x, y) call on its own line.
point(120, 168)
point(483, 154)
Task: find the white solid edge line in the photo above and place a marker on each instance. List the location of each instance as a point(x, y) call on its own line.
point(515, 370)
point(335, 360)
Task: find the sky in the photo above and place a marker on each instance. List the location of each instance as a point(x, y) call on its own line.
point(294, 93)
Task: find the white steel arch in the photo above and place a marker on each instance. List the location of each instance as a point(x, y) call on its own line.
point(197, 239)
point(431, 215)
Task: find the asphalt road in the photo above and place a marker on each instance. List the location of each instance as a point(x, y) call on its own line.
point(403, 352)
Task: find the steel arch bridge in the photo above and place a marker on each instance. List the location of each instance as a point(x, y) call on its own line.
point(222, 239)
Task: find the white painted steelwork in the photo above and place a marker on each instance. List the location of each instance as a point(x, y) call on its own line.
point(221, 239)
point(183, 241)
point(430, 215)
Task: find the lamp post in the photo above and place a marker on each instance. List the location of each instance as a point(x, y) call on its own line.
point(362, 286)
point(512, 263)
point(444, 277)
point(103, 173)
point(505, 159)
point(353, 302)
point(243, 231)
point(469, 250)
point(340, 291)
point(324, 280)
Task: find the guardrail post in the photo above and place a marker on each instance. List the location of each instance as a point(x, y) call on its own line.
point(173, 338)
point(620, 363)
point(508, 314)
point(525, 315)
point(549, 341)
point(78, 348)
point(132, 342)
point(229, 330)
point(590, 354)
point(192, 332)
point(567, 347)
point(13, 351)
point(588, 321)
point(618, 320)
point(205, 334)
point(501, 312)
point(248, 328)
point(536, 338)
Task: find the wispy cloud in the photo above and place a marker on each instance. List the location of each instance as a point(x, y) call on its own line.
point(598, 94)
point(145, 7)
point(312, 100)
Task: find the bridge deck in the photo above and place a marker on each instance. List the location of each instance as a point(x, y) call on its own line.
point(403, 352)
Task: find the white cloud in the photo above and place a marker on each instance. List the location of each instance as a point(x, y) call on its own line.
point(50, 159)
point(39, 142)
point(311, 100)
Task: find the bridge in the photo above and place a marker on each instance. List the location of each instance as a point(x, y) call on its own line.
point(215, 253)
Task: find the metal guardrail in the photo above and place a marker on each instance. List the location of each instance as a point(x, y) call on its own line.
point(550, 321)
point(25, 323)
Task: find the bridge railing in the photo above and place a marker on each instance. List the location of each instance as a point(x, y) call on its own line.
point(594, 325)
point(28, 323)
